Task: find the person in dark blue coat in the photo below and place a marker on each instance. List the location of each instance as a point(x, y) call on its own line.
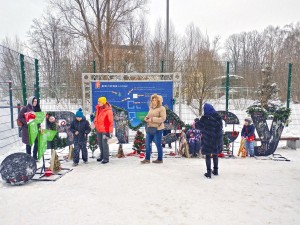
point(249, 136)
point(211, 126)
point(80, 128)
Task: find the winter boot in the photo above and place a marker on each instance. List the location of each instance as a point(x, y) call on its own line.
point(215, 171)
point(208, 174)
point(157, 161)
point(145, 161)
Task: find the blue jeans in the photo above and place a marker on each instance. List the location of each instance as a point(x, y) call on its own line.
point(249, 145)
point(157, 140)
point(194, 147)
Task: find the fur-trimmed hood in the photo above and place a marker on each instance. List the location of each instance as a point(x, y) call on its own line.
point(159, 100)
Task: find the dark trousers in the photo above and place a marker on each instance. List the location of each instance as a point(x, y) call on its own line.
point(103, 146)
point(208, 162)
point(35, 149)
point(77, 147)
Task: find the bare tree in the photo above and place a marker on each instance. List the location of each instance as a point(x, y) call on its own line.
point(96, 20)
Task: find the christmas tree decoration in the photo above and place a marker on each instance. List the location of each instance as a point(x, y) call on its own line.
point(120, 152)
point(139, 142)
point(93, 144)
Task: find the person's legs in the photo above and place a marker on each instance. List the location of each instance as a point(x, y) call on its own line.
point(28, 149)
point(76, 153)
point(216, 166)
point(208, 166)
point(149, 139)
point(158, 137)
point(35, 149)
point(246, 145)
point(105, 153)
point(99, 138)
point(84, 152)
point(192, 147)
point(251, 148)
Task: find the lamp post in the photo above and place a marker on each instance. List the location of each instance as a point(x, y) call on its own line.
point(167, 39)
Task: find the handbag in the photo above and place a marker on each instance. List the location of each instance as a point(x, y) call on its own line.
point(151, 130)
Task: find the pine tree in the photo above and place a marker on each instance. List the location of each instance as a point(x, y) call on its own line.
point(268, 92)
point(139, 142)
point(93, 142)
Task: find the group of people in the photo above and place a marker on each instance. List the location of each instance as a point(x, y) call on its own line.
point(209, 132)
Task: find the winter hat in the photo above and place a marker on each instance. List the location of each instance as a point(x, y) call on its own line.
point(249, 120)
point(102, 100)
point(79, 113)
point(209, 109)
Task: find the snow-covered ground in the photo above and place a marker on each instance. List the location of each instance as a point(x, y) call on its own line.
point(247, 191)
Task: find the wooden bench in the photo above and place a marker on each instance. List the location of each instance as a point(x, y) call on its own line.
point(292, 142)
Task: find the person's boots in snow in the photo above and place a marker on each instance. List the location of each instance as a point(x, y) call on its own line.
point(215, 160)
point(208, 174)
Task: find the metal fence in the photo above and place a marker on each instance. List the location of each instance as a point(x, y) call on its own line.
point(59, 84)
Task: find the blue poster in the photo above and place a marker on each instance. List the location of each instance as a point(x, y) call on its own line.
point(133, 96)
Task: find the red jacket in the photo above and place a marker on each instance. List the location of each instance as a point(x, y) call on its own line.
point(104, 121)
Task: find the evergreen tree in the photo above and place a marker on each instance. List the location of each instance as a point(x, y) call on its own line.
point(93, 142)
point(139, 142)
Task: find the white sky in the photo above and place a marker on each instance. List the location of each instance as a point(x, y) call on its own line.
point(216, 17)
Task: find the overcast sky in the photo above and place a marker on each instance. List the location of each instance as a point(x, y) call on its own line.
point(216, 17)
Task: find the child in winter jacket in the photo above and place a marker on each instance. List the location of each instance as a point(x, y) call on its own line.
point(194, 138)
point(80, 128)
point(249, 136)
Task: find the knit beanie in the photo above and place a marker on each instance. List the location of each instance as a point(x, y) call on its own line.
point(79, 113)
point(249, 120)
point(102, 100)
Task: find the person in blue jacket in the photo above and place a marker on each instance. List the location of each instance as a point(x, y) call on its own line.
point(80, 128)
point(249, 136)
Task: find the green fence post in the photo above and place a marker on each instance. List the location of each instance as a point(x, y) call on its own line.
point(94, 66)
point(289, 86)
point(162, 68)
point(23, 79)
point(227, 85)
point(37, 79)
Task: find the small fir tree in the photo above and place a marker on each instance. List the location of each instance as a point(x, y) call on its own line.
point(139, 142)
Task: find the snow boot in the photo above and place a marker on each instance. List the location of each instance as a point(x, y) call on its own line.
point(145, 161)
point(208, 174)
point(215, 171)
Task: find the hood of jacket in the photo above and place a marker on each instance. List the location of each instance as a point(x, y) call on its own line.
point(30, 100)
point(209, 109)
point(159, 100)
point(104, 107)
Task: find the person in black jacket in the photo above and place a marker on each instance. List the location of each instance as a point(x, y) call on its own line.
point(211, 126)
point(249, 136)
point(80, 127)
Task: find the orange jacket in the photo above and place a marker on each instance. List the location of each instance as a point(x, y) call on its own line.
point(104, 121)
